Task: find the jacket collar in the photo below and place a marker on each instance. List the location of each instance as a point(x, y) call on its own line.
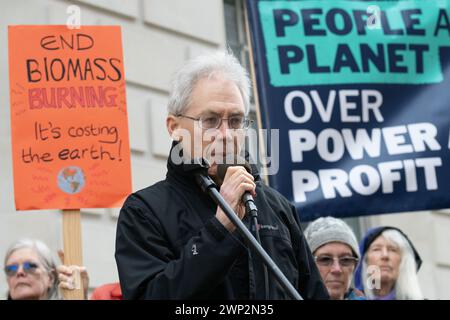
point(182, 171)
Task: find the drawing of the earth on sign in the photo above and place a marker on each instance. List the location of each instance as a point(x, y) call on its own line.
point(71, 180)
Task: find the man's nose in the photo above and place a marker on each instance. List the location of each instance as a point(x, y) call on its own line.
point(225, 131)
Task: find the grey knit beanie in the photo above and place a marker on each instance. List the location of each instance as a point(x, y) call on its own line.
point(329, 229)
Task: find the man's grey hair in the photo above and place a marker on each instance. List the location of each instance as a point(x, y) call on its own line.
point(46, 258)
point(204, 66)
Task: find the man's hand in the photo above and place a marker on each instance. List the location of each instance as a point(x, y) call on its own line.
point(236, 182)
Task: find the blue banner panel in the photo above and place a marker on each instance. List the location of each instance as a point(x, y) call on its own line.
point(360, 94)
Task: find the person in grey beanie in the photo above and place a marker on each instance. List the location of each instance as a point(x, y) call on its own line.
point(335, 250)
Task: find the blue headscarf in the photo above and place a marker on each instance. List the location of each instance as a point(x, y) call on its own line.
point(365, 243)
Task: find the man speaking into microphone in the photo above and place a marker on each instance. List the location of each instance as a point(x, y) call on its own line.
point(173, 241)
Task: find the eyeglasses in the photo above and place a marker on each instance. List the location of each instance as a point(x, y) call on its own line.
point(214, 122)
point(344, 262)
point(28, 267)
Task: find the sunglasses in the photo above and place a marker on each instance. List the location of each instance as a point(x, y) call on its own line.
point(344, 262)
point(28, 267)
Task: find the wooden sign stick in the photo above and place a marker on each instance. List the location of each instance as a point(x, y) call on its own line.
point(73, 250)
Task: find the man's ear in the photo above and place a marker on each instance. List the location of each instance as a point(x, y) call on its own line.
point(172, 124)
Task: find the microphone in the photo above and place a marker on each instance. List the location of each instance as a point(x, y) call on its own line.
point(247, 198)
point(252, 210)
point(250, 206)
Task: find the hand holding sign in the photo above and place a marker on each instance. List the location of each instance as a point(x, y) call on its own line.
point(72, 277)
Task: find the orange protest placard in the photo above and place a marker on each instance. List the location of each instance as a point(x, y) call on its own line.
point(69, 122)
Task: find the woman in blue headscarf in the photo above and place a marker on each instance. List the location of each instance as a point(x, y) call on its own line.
point(389, 266)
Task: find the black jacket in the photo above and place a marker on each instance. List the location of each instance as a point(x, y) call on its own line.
point(169, 245)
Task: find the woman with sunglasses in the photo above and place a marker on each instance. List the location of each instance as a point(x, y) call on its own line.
point(32, 272)
point(335, 250)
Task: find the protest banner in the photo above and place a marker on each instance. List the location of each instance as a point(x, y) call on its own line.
point(359, 92)
point(69, 126)
point(68, 117)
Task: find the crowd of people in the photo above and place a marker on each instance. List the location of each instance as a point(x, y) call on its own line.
point(383, 266)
